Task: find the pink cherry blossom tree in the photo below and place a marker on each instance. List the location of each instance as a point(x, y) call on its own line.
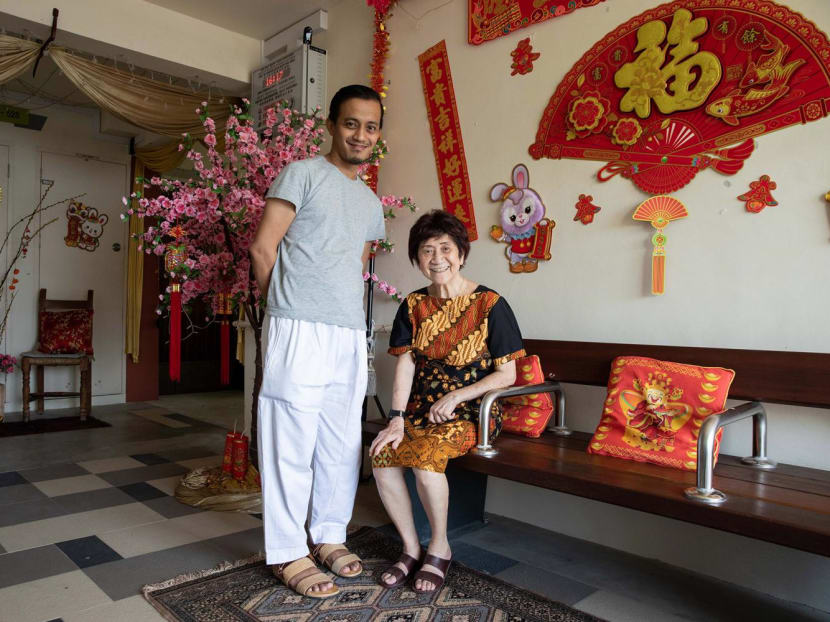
point(211, 219)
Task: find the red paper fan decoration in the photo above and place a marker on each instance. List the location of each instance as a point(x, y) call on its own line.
point(687, 86)
point(659, 211)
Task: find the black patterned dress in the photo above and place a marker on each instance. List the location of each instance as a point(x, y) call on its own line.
point(456, 342)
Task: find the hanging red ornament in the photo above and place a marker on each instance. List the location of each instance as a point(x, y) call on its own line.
point(174, 258)
point(225, 310)
point(380, 50)
point(585, 210)
point(759, 195)
point(523, 57)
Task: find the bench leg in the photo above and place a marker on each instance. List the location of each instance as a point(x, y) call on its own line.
point(26, 368)
point(40, 388)
point(86, 389)
point(560, 429)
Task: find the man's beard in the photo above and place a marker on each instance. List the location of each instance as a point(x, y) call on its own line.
point(357, 160)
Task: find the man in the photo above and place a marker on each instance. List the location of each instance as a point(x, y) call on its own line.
point(308, 255)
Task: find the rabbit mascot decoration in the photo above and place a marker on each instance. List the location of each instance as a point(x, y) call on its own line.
point(523, 224)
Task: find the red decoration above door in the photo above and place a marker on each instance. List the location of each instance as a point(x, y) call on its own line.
point(687, 86)
point(490, 19)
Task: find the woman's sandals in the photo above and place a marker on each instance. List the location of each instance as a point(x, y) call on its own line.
point(408, 562)
point(335, 557)
point(427, 575)
point(301, 575)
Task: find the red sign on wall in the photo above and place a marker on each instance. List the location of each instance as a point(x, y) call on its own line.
point(687, 86)
point(489, 19)
point(446, 136)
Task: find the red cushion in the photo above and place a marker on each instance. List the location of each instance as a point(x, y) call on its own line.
point(66, 332)
point(653, 410)
point(527, 415)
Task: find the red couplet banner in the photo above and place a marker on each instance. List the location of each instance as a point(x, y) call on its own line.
point(446, 136)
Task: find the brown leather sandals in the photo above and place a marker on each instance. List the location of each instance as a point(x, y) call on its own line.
point(427, 575)
point(301, 575)
point(335, 557)
point(408, 562)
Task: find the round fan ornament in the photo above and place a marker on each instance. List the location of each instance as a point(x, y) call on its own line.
point(659, 211)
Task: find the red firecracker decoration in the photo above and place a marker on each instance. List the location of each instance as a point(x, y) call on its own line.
point(225, 310)
point(585, 210)
point(227, 458)
point(239, 466)
point(523, 57)
point(174, 258)
point(380, 50)
point(759, 195)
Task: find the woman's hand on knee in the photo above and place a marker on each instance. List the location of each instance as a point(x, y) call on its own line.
point(391, 435)
point(444, 409)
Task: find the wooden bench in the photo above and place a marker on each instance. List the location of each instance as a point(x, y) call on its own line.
point(784, 504)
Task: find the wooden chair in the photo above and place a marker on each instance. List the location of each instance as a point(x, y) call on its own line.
point(43, 359)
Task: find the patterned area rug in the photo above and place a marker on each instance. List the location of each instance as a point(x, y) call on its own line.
point(247, 591)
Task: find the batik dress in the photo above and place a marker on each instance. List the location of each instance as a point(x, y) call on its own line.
point(456, 342)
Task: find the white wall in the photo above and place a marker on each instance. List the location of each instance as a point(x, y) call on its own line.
point(67, 131)
point(734, 279)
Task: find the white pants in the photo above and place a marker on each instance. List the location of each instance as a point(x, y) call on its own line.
point(314, 382)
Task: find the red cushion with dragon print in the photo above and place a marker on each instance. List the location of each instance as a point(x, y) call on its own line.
point(66, 332)
point(653, 410)
point(527, 415)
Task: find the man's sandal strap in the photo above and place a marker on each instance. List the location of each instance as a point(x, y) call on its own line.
point(301, 575)
point(336, 557)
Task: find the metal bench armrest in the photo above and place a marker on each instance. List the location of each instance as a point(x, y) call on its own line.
point(703, 491)
point(484, 448)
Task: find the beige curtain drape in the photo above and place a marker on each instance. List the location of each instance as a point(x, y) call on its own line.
point(15, 56)
point(161, 158)
point(154, 106)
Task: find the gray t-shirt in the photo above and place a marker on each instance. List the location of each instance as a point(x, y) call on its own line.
point(318, 275)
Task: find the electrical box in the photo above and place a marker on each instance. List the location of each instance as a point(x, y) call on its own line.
point(298, 77)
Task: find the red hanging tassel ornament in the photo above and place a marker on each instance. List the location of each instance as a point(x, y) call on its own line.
point(225, 310)
point(174, 258)
point(175, 332)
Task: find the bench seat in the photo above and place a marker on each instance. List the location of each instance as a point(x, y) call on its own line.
point(789, 505)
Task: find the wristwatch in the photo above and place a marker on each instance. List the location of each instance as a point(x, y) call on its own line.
point(394, 413)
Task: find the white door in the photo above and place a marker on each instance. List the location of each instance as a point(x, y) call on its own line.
point(85, 249)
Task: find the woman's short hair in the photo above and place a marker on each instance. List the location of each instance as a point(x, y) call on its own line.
point(434, 224)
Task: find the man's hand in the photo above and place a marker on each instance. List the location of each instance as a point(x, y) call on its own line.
point(444, 409)
point(392, 435)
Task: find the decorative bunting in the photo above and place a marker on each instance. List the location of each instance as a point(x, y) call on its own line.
point(490, 19)
point(523, 57)
point(585, 210)
point(380, 52)
point(659, 211)
point(446, 136)
point(687, 86)
point(759, 195)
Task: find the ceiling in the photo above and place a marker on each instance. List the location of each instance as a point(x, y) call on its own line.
point(255, 18)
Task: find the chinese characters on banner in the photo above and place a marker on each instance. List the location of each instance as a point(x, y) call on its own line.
point(446, 136)
point(687, 86)
point(489, 19)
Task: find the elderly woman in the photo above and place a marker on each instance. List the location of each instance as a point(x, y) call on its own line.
point(455, 340)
